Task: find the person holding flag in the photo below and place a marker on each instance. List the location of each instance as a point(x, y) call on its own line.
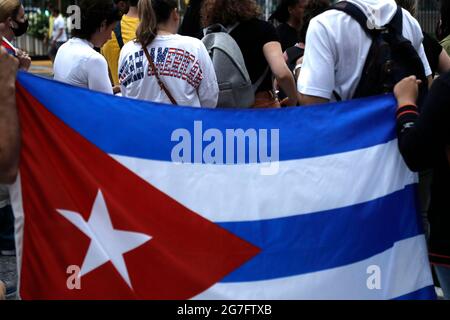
point(13, 23)
point(9, 151)
point(424, 142)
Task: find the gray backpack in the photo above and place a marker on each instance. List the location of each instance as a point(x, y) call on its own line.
point(235, 86)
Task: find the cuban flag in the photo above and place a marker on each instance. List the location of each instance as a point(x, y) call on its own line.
point(126, 199)
point(8, 46)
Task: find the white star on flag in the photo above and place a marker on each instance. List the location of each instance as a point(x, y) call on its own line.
point(107, 244)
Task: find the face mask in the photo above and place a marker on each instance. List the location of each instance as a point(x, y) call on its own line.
point(21, 29)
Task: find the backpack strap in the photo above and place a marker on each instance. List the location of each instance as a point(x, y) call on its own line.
point(217, 27)
point(234, 26)
point(259, 82)
point(397, 22)
point(118, 34)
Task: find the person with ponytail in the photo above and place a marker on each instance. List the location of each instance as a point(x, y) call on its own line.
point(77, 62)
point(162, 66)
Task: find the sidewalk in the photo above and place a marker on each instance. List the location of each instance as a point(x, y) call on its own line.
point(42, 68)
point(8, 271)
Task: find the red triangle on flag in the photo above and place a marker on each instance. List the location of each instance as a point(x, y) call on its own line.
point(62, 170)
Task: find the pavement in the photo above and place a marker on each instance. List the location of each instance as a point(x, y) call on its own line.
point(8, 272)
point(42, 68)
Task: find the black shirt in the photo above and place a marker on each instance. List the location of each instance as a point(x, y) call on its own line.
point(191, 25)
point(423, 142)
point(433, 50)
point(251, 36)
point(288, 36)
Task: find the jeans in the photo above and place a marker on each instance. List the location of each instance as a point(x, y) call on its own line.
point(7, 229)
point(443, 274)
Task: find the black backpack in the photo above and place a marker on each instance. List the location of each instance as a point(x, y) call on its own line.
point(391, 56)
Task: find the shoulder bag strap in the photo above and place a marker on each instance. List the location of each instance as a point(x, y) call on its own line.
point(161, 84)
point(118, 34)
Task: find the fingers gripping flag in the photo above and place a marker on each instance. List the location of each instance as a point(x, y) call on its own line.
point(334, 218)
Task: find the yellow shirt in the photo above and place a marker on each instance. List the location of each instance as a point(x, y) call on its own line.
point(111, 50)
point(51, 19)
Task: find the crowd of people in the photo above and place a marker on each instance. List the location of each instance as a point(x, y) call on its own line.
point(309, 52)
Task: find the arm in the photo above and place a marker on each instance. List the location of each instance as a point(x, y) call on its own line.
point(420, 137)
point(317, 75)
point(9, 121)
point(444, 62)
point(306, 100)
point(98, 74)
point(274, 56)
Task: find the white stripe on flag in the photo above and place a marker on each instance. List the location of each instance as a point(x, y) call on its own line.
point(226, 193)
point(403, 269)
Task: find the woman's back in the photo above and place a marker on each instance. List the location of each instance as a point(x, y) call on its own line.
point(251, 36)
point(183, 65)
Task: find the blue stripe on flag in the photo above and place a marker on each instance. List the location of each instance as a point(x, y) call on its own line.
point(128, 127)
point(314, 242)
point(427, 293)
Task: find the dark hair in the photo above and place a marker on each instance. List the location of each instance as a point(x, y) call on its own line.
point(152, 12)
point(132, 3)
point(409, 5)
point(93, 14)
point(163, 9)
point(312, 9)
point(281, 13)
point(228, 12)
point(444, 29)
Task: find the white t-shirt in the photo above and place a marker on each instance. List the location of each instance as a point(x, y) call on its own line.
point(59, 24)
point(337, 48)
point(184, 67)
point(78, 64)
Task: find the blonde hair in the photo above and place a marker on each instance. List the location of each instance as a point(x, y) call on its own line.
point(146, 31)
point(9, 8)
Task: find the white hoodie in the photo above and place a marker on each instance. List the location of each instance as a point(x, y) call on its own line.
point(382, 10)
point(337, 48)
